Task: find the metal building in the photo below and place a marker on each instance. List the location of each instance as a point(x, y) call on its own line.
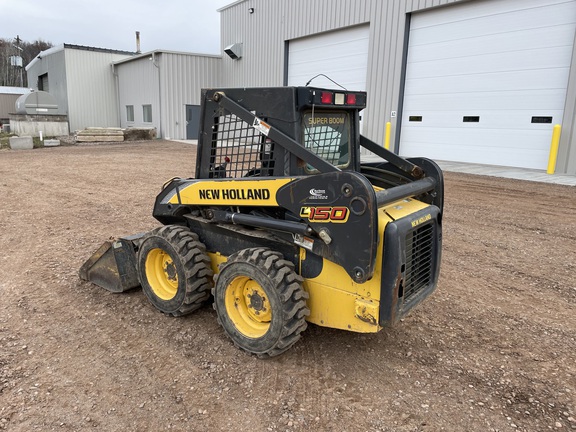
point(8, 98)
point(480, 81)
point(161, 89)
point(80, 79)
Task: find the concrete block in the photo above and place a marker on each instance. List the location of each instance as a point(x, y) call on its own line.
point(31, 125)
point(51, 143)
point(96, 134)
point(99, 138)
point(21, 143)
point(100, 132)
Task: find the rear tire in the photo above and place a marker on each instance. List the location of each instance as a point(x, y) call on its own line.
point(174, 270)
point(260, 302)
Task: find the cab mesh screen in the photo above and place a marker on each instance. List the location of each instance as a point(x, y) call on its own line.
point(239, 150)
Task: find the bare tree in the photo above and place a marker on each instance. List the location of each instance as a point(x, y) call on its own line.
point(12, 71)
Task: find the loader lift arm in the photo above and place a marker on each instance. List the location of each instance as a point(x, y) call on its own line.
point(298, 150)
point(420, 185)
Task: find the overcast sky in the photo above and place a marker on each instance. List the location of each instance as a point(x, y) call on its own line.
point(176, 25)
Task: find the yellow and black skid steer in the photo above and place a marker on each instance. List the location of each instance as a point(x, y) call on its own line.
point(284, 225)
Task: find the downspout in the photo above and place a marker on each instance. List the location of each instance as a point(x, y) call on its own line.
point(160, 131)
point(117, 85)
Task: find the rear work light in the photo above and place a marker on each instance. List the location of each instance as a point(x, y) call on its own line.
point(344, 99)
point(326, 98)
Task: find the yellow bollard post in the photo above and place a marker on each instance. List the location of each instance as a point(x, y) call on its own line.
point(554, 149)
point(387, 136)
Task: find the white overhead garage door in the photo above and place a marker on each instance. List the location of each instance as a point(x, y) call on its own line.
point(486, 81)
point(341, 55)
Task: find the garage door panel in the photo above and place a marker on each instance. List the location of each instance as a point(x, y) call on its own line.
point(481, 119)
point(537, 59)
point(500, 81)
point(538, 100)
point(504, 42)
point(483, 138)
point(504, 157)
point(339, 56)
point(342, 55)
point(471, 26)
point(334, 65)
point(482, 146)
point(340, 61)
point(485, 155)
point(501, 65)
point(325, 42)
point(439, 17)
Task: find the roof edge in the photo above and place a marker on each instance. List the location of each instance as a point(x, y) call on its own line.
point(66, 46)
point(49, 51)
point(14, 90)
point(230, 5)
point(96, 49)
point(160, 51)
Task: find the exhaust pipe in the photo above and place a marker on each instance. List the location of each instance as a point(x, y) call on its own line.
point(137, 42)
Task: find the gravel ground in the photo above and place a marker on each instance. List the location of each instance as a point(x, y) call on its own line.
point(492, 350)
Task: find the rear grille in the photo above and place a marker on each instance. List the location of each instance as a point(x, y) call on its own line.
point(419, 261)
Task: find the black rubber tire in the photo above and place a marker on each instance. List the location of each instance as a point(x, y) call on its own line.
point(279, 288)
point(189, 266)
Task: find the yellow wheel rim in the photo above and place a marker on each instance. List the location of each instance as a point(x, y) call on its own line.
point(248, 306)
point(161, 273)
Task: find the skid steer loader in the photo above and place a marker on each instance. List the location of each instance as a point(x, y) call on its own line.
point(283, 224)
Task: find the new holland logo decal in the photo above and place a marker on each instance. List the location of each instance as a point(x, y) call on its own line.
point(234, 194)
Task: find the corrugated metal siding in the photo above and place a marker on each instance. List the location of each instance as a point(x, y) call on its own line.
point(92, 98)
point(265, 32)
point(137, 86)
point(418, 5)
point(177, 77)
point(55, 67)
point(7, 104)
point(567, 153)
point(182, 78)
point(273, 22)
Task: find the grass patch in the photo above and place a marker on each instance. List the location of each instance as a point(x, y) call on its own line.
point(37, 143)
point(5, 140)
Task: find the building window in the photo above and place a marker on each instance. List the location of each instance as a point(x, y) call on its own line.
point(147, 113)
point(43, 83)
point(130, 113)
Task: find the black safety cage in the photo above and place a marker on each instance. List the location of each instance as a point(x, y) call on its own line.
point(267, 132)
point(263, 133)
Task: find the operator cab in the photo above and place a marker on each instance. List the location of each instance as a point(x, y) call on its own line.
point(329, 125)
point(325, 122)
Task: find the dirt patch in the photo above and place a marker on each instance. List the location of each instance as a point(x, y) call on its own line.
point(493, 350)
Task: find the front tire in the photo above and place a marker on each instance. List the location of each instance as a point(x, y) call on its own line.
point(174, 270)
point(260, 302)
